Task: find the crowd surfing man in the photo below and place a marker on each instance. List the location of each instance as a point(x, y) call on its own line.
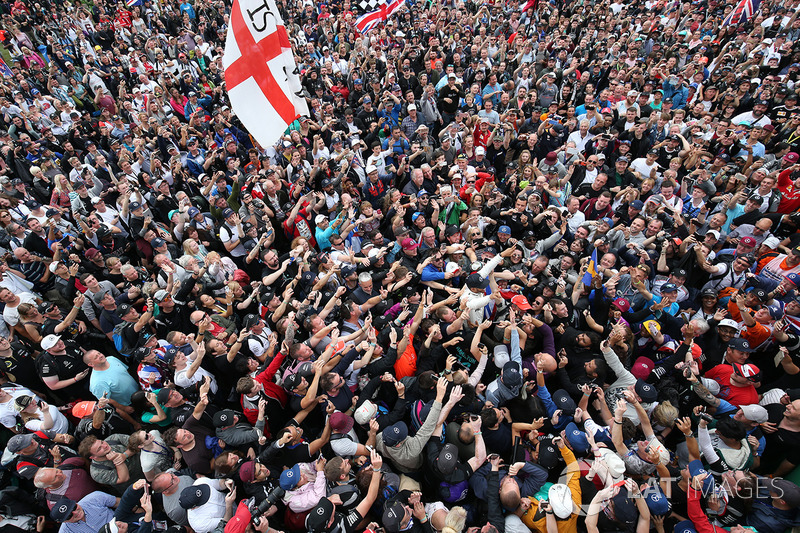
point(516, 271)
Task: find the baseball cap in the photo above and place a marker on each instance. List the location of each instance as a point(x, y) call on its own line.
point(791, 157)
point(393, 517)
point(123, 309)
point(193, 212)
point(577, 438)
point(668, 287)
point(247, 472)
point(63, 509)
point(227, 212)
point(755, 412)
point(622, 304)
point(642, 367)
point(729, 323)
point(521, 302)
point(564, 401)
point(292, 381)
point(319, 516)
point(748, 241)
point(395, 434)
point(135, 205)
point(341, 423)
point(696, 469)
point(223, 418)
point(787, 491)
point(194, 496)
point(511, 375)
point(17, 443)
point(409, 244)
point(49, 341)
point(448, 459)
point(646, 392)
point(748, 371)
point(476, 281)
point(365, 412)
point(560, 498)
point(504, 229)
point(637, 204)
point(290, 478)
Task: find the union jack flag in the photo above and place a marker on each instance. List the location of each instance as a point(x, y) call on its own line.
point(370, 20)
point(133, 3)
point(743, 11)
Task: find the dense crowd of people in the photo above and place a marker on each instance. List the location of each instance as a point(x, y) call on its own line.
point(521, 268)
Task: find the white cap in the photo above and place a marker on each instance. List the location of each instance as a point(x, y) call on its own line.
point(755, 412)
point(713, 232)
point(320, 219)
point(771, 242)
point(53, 266)
point(480, 150)
point(373, 252)
point(728, 322)
point(412, 107)
point(365, 412)
point(371, 169)
point(451, 267)
point(615, 464)
point(50, 341)
point(501, 356)
point(560, 498)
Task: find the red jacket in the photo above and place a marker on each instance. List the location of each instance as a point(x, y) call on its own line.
point(271, 390)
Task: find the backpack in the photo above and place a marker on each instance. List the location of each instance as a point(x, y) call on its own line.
point(122, 346)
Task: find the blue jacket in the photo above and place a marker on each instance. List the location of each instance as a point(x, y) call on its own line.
point(678, 94)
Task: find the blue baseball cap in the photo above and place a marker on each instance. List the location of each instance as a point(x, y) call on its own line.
point(504, 229)
point(395, 434)
point(290, 478)
point(415, 216)
point(696, 469)
point(422, 192)
point(668, 287)
point(576, 438)
point(608, 221)
point(657, 502)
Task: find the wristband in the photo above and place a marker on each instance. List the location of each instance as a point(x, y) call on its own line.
point(620, 423)
point(478, 433)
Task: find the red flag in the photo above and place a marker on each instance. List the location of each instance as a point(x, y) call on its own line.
point(261, 77)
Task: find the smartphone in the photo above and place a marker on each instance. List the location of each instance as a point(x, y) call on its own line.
point(481, 346)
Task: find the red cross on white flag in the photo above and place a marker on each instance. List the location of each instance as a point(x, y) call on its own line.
point(260, 73)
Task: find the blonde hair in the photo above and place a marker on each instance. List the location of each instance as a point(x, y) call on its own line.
point(665, 414)
point(455, 521)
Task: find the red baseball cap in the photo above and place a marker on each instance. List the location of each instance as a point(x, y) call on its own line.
point(521, 302)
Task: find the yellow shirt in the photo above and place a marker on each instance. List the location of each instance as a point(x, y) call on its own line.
point(570, 525)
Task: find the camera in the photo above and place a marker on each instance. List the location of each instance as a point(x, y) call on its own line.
point(272, 498)
point(707, 417)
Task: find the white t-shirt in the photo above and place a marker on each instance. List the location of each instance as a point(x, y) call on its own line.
point(60, 422)
point(8, 415)
point(205, 518)
point(11, 315)
point(345, 445)
point(182, 381)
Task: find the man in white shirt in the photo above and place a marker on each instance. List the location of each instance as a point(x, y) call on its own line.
point(205, 502)
point(645, 166)
point(582, 136)
point(187, 369)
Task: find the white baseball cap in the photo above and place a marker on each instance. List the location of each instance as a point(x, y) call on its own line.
point(50, 341)
point(365, 412)
point(560, 498)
